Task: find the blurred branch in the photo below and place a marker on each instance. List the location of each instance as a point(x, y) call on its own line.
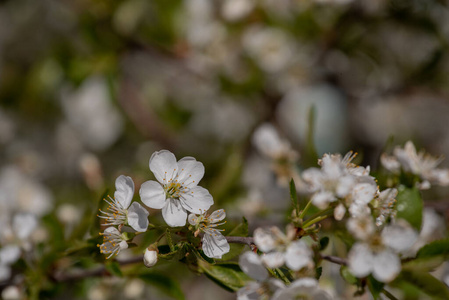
point(240, 240)
point(335, 260)
point(100, 271)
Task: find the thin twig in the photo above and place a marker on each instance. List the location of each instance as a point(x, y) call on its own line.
point(335, 259)
point(240, 240)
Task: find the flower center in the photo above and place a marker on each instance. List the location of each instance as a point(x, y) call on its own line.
point(173, 189)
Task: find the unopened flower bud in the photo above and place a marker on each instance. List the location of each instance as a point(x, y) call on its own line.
point(150, 257)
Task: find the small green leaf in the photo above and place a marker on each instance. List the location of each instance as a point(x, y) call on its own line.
point(324, 242)
point(424, 264)
point(165, 284)
point(347, 276)
point(410, 206)
point(436, 248)
point(227, 275)
point(113, 267)
point(426, 283)
point(375, 287)
point(236, 249)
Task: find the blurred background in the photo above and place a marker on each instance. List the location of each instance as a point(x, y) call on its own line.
point(90, 89)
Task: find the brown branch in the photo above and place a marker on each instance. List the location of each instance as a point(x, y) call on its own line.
point(240, 240)
point(335, 260)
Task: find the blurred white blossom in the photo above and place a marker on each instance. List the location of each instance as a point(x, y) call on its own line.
point(91, 113)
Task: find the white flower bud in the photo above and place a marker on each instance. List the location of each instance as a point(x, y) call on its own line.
point(150, 257)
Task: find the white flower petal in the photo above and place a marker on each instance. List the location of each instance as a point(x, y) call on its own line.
point(251, 264)
point(322, 199)
point(112, 230)
point(264, 239)
point(345, 185)
point(196, 200)
point(399, 236)
point(386, 266)
point(123, 245)
point(273, 259)
point(163, 165)
point(174, 214)
point(124, 193)
point(192, 219)
point(9, 254)
point(217, 216)
point(339, 212)
point(138, 217)
point(249, 292)
point(360, 260)
point(364, 192)
point(152, 194)
point(298, 255)
point(5, 272)
point(266, 139)
point(23, 225)
point(215, 244)
point(190, 171)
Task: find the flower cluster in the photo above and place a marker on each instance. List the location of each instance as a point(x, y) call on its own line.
point(420, 164)
point(176, 192)
point(121, 212)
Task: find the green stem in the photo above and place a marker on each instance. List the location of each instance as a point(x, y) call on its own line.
point(318, 217)
point(282, 275)
point(306, 208)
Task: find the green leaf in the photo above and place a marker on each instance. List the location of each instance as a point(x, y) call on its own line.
point(410, 206)
point(426, 283)
point(424, 264)
point(436, 248)
point(375, 287)
point(113, 267)
point(324, 241)
point(165, 284)
point(347, 276)
point(236, 249)
point(227, 275)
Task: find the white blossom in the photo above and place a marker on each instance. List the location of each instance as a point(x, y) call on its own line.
point(263, 287)
point(214, 243)
point(420, 163)
point(176, 190)
point(280, 248)
point(113, 242)
point(303, 288)
point(378, 254)
point(120, 210)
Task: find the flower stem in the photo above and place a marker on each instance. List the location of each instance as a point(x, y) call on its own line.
point(282, 275)
point(318, 217)
point(306, 208)
point(389, 295)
